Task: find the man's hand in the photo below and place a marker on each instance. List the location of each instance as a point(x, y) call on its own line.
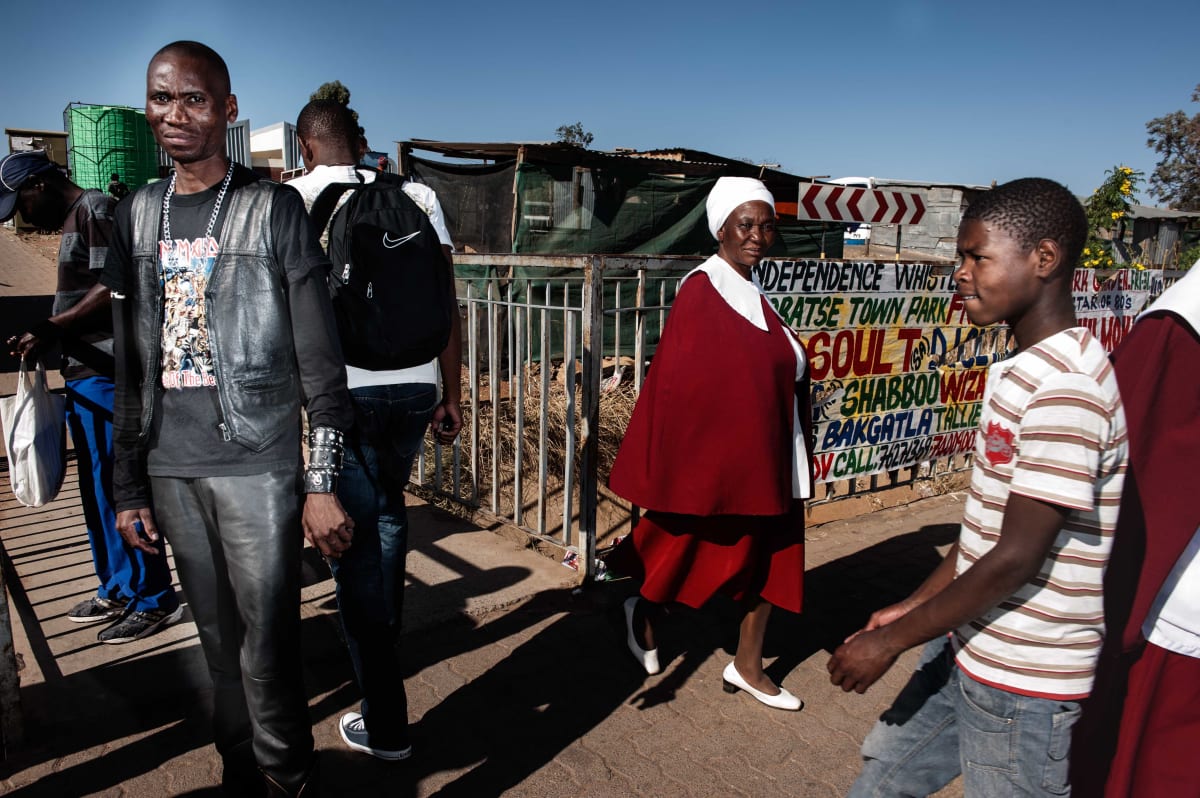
point(138, 529)
point(887, 615)
point(26, 345)
point(858, 663)
point(446, 422)
point(327, 526)
point(43, 335)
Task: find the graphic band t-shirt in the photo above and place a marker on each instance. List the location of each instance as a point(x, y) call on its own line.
point(185, 440)
point(184, 266)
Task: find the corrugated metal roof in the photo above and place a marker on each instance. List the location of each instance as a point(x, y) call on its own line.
point(891, 181)
point(508, 150)
point(488, 150)
point(1150, 212)
point(685, 154)
point(29, 131)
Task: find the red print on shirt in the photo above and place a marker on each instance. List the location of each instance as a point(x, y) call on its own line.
point(998, 445)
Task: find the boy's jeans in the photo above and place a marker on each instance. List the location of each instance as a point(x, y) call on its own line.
point(944, 723)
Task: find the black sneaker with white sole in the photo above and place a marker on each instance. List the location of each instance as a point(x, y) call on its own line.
point(97, 609)
point(137, 625)
point(354, 733)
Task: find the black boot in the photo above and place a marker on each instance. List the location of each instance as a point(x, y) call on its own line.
point(240, 776)
point(309, 788)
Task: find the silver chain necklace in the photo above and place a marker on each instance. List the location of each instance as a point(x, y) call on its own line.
point(212, 221)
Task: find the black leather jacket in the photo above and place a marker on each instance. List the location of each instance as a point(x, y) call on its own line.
point(262, 379)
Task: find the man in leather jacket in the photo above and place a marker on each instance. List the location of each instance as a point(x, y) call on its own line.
point(223, 329)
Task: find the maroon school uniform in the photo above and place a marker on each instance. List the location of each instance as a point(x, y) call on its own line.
point(708, 454)
point(1140, 726)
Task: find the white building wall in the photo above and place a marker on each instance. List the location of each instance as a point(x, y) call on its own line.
point(937, 233)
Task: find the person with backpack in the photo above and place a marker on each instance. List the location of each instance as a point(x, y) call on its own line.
point(399, 325)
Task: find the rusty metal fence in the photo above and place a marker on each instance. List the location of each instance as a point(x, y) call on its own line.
point(535, 356)
point(555, 350)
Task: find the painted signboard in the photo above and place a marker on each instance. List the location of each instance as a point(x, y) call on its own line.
point(897, 368)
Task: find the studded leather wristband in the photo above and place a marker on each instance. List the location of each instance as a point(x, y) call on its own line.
point(324, 460)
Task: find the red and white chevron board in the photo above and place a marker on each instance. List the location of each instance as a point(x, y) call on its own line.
point(829, 203)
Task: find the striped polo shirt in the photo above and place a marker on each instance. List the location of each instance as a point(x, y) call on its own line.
point(1052, 428)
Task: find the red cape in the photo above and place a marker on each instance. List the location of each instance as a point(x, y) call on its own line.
point(712, 430)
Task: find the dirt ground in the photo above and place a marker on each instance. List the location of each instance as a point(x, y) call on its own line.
point(45, 244)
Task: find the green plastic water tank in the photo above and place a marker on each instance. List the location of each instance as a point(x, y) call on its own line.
point(108, 139)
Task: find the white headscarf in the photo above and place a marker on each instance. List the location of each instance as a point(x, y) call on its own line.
point(728, 194)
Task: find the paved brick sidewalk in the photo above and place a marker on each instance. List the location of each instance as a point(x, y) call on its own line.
point(519, 684)
point(27, 280)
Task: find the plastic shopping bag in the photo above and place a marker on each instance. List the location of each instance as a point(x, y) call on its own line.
point(33, 422)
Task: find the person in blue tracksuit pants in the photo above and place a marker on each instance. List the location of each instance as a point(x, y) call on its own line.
point(135, 594)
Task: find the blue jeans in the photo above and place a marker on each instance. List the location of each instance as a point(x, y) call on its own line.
point(944, 723)
point(390, 422)
point(124, 572)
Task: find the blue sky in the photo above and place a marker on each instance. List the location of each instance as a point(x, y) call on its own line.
point(960, 92)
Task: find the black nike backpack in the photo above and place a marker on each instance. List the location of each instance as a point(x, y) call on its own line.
point(392, 290)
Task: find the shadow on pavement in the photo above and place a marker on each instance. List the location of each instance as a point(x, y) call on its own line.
point(496, 727)
point(516, 716)
point(841, 595)
point(95, 724)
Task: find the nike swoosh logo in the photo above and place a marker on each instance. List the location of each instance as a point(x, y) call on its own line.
point(392, 243)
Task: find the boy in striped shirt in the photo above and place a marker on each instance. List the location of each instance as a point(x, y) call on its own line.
point(1014, 614)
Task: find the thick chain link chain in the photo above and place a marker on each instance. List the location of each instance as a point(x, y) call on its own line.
point(212, 221)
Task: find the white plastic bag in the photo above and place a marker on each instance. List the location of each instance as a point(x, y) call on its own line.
point(33, 422)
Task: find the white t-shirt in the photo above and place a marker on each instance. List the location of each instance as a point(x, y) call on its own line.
point(310, 186)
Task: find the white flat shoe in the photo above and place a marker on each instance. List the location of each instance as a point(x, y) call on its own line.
point(732, 681)
point(647, 659)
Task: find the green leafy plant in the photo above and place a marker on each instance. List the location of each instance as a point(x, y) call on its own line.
point(1107, 209)
point(1188, 257)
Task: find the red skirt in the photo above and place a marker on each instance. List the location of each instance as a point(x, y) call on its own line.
point(690, 558)
point(1160, 729)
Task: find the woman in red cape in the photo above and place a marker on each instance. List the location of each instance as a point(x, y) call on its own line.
point(717, 450)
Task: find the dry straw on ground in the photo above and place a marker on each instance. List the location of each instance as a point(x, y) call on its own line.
point(499, 441)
